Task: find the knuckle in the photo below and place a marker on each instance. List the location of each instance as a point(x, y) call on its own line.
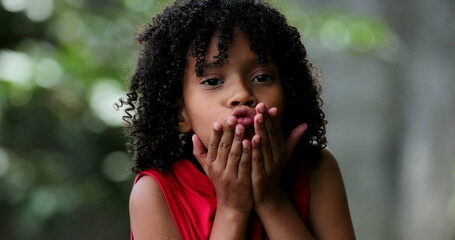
point(246, 151)
point(256, 159)
point(245, 164)
point(260, 176)
point(213, 145)
point(238, 137)
point(257, 180)
point(234, 155)
point(224, 146)
point(226, 180)
point(214, 172)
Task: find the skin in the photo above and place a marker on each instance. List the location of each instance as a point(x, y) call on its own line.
point(245, 164)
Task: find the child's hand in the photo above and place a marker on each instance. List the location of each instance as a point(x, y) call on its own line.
point(227, 163)
point(270, 154)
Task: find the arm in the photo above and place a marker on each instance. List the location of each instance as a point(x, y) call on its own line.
point(149, 214)
point(281, 220)
point(227, 162)
point(151, 218)
point(329, 215)
point(229, 170)
point(269, 158)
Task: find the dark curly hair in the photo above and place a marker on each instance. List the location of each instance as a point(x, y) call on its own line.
point(152, 103)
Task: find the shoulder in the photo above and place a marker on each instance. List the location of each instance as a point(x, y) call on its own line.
point(327, 164)
point(325, 180)
point(146, 188)
point(149, 213)
point(325, 174)
point(329, 211)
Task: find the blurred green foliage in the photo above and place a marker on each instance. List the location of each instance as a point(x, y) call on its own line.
point(64, 172)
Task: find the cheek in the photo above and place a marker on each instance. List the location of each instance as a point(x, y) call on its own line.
point(278, 99)
point(202, 124)
point(205, 140)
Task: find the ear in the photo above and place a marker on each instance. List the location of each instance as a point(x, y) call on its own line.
point(184, 123)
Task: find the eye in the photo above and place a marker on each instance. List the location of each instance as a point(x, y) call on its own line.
point(212, 82)
point(262, 78)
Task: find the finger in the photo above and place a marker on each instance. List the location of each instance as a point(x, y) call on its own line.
point(245, 161)
point(294, 137)
point(264, 140)
point(273, 114)
point(273, 126)
point(273, 130)
point(225, 144)
point(257, 161)
point(214, 141)
point(199, 151)
point(273, 111)
point(264, 125)
point(232, 164)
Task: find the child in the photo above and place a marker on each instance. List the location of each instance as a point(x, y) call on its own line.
point(228, 134)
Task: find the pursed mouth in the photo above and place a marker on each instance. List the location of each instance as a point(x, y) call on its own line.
point(245, 116)
point(247, 122)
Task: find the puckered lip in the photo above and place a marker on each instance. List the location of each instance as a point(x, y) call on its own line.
point(245, 116)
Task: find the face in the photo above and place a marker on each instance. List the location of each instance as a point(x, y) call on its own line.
point(234, 88)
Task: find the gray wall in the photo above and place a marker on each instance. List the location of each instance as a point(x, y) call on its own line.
point(392, 117)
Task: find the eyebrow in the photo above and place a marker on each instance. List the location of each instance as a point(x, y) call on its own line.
point(249, 61)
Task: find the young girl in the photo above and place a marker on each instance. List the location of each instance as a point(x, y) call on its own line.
point(228, 134)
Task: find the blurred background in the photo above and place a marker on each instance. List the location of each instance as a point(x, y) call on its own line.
point(389, 84)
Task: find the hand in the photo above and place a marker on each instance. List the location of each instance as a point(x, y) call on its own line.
point(227, 163)
point(270, 154)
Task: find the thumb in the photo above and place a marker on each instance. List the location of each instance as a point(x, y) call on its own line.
point(199, 151)
point(294, 138)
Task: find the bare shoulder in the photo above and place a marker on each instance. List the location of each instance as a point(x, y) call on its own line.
point(327, 167)
point(329, 210)
point(326, 175)
point(149, 214)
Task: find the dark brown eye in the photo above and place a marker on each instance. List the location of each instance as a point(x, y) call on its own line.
point(212, 82)
point(262, 78)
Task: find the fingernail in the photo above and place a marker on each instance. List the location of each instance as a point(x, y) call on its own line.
point(262, 108)
point(260, 118)
point(246, 144)
point(216, 126)
point(230, 121)
point(273, 111)
point(256, 139)
point(237, 129)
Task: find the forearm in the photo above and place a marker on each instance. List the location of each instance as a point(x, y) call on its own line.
point(229, 224)
point(281, 220)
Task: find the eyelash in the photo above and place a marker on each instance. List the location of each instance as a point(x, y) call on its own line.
point(215, 81)
point(207, 82)
point(268, 78)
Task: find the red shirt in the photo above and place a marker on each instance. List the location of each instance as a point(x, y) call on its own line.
point(191, 199)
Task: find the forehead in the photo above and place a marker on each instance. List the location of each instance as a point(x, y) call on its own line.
point(239, 43)
point(222, 48)
point(239, 39)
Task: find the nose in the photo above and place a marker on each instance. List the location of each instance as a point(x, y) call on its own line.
point(242, 95)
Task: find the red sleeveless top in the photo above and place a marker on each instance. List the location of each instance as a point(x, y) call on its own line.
point(191, 199)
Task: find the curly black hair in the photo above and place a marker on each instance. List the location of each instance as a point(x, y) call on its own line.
point(152, 103)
